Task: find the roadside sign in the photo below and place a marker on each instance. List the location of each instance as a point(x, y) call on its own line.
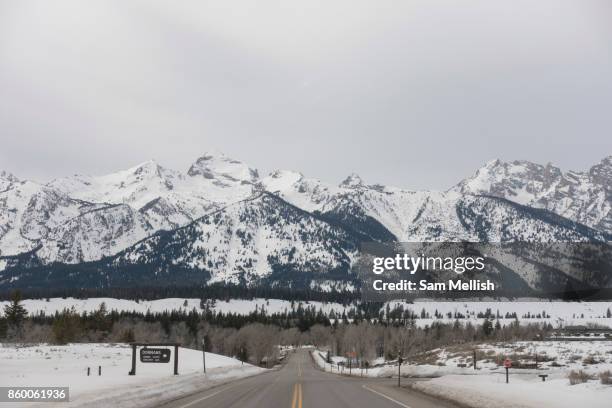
point(154, 355)
point(507, 365)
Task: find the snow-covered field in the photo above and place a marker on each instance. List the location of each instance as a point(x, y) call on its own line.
point(239, 306)
point(455, 378)
point(492, 391)
point(66, 366)
point(555, 312)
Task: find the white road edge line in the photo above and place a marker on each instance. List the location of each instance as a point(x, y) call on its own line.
point(206, 397)
point(218, 392)
point(401, 404)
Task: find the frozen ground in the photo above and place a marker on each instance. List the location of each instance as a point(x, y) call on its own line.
point(492, 391)
point(239, 306)
point(47, 365)
point(528, 311)
point(556, 313)
point(456, 379)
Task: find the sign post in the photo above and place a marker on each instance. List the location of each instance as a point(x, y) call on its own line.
point(507, 365)
point(204, 354)
point(133, 371)
point(154, 355)
point(176, 359)
point(351, 355)
point(399, 370)
point(350, 365)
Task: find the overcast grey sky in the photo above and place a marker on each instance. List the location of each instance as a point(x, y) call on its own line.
point(414, 93)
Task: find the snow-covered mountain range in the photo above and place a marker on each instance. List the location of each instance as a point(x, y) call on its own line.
point(584, 197)
point(222, 221)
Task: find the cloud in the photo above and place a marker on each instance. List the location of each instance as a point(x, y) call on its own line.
point(416, 94)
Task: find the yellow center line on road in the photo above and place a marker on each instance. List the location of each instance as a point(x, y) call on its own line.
point(294, 395)
point(297, 396)
point(300, 398)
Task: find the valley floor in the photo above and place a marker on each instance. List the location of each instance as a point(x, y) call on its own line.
point(557, 313)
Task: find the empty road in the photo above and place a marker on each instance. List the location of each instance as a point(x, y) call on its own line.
point(300, 385)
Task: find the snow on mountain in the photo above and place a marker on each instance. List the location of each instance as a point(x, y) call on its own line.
point(585, 197)
point(254, 238)
point(223, 169)
point(266, 240)
point(84, 218)
point(414, 216)
point(352, 181)
point(263, 236)
point(62, 228)
point(306, 193)
point(390, 207)
point(220, 221)
point(7, 180)
point(95, 234)
point(167, 199)
point(453, 217)
point(136, 186)
point(28, 212)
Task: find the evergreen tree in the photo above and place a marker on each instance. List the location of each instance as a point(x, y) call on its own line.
point(193, 319)
point(14, 312)
point(3, 327)
point(67, 327)
point(487, 327)
point(100, 320)
point(497, 325)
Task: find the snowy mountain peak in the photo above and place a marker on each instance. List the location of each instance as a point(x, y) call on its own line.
point(7, 180)
point(515, 168)
point(602, 172)
point(6, 176)
point(281, 180)
point(150, 166)
point(519, 180)
point(141, 177)
point(86, 218)
point(281, 174)
point(580, 196)
point(352, 181)
point(219, 166)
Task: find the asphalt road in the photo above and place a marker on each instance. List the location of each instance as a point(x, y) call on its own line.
point(300, 385)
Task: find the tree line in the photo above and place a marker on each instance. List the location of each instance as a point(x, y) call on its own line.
point(256, 337)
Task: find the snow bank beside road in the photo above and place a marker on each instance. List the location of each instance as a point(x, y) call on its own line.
point(481, 391)
point(485, 387)
point(66, 366)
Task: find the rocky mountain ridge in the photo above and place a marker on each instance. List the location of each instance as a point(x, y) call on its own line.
point(221, 221)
